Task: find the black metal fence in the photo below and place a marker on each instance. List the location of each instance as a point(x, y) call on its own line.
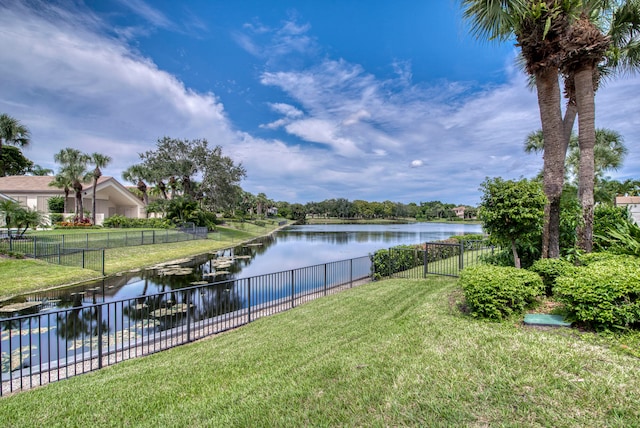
point(86, 250)
point(55, 343)
point(431, 258)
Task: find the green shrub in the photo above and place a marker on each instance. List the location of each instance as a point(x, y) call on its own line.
point(550, 269)
point(604, 293)
point(605, 218)
point(56, 204)
point(56, 218)
point(497, 292)
point(119, 221)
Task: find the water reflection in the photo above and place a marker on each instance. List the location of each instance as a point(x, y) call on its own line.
point(292, 248)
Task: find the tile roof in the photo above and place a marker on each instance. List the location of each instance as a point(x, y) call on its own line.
point(626, 200)
point(30, 183)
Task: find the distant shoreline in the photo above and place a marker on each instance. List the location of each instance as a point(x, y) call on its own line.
point(336, 220)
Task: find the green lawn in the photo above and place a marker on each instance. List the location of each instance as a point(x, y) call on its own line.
point(389, 353)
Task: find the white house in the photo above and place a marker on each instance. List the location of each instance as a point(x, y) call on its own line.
point(633, 205)
point(111, 196)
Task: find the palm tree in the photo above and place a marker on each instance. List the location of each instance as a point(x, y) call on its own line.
point(138, 174)
point(62, 182)
point(539, 28)
point(12, 132)
point(9, 209)
point(99, 161)
point(603, 36)
point(74, 170)
point(609, 151)
point(39, 171)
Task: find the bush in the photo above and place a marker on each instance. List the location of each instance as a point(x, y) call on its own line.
point(497, 292)
point(605, 218)
point(56, 218)
point(56, 204)
point(604, 293)
point(393, 260)
point(550, 269)
point(119, 221)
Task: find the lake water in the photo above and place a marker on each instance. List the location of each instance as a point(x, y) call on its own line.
point(290, 248)
point(149, 303)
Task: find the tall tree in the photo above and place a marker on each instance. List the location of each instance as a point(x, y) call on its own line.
point(73, 169)
point(603, 35)
point(608, 152)
point(138, 174)
point(14, 162)
point(511, 212)
point(99, 161)
point(40, 171)
point(63, 182)
point(539, 28)
point(12, 132)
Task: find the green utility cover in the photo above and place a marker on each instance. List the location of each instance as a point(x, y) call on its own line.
point(546, 320)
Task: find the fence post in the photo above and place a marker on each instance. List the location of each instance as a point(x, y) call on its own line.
point(350, 273)
point(153, 236)
point(188, 317)
point(325, 279)
point(99, 315)
point(293, 290)
point(59, 253)
point(424, 261)
point(83, 251)
point(35, 246)
point(249, 298)
point(103, 262)
point(461, 262)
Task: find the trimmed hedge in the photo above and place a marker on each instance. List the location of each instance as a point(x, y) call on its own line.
point(497, 292)
point(603, 294)
point(119, 221)
point(550, 269)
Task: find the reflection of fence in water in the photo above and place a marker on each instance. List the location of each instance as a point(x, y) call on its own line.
point(55, 344)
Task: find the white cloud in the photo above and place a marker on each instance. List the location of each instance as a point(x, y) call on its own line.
point(339, 130)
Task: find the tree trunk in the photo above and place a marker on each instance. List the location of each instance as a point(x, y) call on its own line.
point(514, 250)
point(93, 202)
point(586, 139)
point(554, 154)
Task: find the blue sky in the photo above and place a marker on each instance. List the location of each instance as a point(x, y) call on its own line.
point(371, 100)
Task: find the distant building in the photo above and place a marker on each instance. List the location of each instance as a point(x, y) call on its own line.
point(632, 203)
point(459, 211)
point(111, 196)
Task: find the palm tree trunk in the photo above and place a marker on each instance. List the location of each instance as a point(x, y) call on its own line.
point(554, 153)
point(93, 202)
point(586, 140)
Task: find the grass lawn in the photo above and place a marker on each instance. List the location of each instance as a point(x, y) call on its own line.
point(25, 275)
point(18, 276)
point(389, 353)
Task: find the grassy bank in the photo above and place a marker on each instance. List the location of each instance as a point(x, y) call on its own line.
point(22, 276)
point(390, 353)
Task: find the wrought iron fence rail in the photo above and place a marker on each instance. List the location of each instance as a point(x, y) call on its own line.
point(46, 347)
point(53, 345)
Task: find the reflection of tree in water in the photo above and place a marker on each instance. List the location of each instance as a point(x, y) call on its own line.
point(217, 300)
point(79, 322)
